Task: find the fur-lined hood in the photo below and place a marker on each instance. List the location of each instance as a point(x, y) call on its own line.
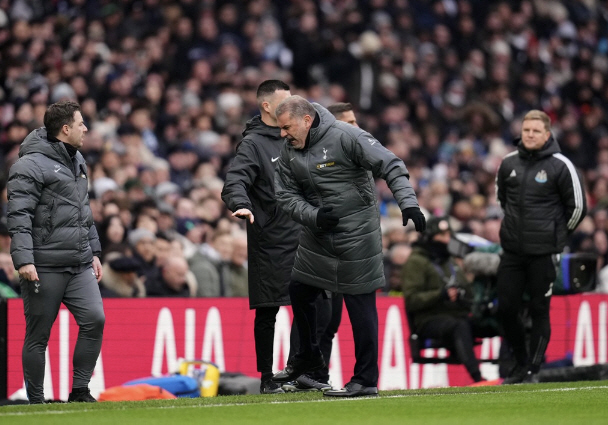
point(117, 283)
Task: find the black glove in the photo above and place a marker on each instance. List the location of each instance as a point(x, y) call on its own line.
point(325, 220)
point(416, 216)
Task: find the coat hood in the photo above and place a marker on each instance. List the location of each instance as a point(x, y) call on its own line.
point(326, 120)
point(550, 147)
point(256, 126)
point(37, 142)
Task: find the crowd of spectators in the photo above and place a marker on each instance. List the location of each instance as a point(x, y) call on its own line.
point(166, 87)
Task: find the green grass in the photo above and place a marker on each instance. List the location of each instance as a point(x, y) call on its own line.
point(556, 403)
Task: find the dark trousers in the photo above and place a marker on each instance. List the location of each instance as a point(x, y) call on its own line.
point(458, 332)
point(329, 316)
point(364, 320)
point(263, 334)
point(41, 301)
point(533, 275)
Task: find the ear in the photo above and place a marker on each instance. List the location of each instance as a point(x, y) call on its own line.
point(266, 107)
point(308, 121)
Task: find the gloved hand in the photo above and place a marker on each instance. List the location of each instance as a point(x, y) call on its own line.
point(325, 220)
point(416, 216)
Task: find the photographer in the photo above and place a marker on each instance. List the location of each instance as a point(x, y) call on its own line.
point(438, 294)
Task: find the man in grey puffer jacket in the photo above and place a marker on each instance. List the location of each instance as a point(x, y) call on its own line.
point(324, 181)
point(55, 246)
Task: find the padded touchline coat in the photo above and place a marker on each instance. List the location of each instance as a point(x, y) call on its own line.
point(49, 217)
point(543, 199)
point(336, 170)
point(273, 237)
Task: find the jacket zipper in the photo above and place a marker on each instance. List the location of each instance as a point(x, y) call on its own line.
point(520, 230)
point(331, 235)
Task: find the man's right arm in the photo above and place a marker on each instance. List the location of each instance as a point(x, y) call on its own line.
point(24, 188)
point(289, 195)
point(242, 174)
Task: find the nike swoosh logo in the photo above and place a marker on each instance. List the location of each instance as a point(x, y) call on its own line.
point(57, 170)
point(274, 159)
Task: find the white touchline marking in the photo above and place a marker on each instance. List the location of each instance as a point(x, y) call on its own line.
point(324, 400)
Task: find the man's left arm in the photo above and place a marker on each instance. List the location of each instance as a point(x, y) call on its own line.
point(96, 248)
point(572, 193)
point(368, 152)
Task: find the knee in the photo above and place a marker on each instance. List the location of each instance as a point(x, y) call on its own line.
point(539, 310)
point(95, 322)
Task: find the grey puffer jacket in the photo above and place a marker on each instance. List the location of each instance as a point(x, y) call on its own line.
point(49, 217)
point(336, 170)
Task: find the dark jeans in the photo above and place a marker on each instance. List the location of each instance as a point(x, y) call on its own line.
point(533, 275)
point(364, 320)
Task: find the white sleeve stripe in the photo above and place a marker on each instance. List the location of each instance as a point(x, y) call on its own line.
point(578, 192)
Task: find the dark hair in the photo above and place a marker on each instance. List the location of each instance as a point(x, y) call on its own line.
point(268, 87)
point(59, 114)
point(339, 108)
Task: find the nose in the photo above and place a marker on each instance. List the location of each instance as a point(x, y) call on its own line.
point(283, 133)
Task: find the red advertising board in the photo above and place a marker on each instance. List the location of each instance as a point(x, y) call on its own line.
point(147, 337)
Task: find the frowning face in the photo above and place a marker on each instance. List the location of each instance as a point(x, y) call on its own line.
point(294, 129)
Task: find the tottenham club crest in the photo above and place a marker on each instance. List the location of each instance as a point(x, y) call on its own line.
point(324, 153)
point(541, 176)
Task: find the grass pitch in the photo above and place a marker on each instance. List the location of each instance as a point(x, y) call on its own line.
point(555, 403)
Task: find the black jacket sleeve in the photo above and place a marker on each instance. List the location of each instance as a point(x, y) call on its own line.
point(241, 176)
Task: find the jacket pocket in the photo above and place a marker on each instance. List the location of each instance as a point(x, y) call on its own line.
point(362, 195)
point(48, 222)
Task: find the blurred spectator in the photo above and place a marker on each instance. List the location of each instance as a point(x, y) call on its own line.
point(144, 252)
point(238, 282)
point(120, 278)
point(171, 281)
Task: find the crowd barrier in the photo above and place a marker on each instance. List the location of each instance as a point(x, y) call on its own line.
point(145, 337)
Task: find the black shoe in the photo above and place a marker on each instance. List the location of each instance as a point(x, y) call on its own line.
point(352, 389)
point(305, 383)
point(516, 376)
point(37, 402)
point(270, 387)
point(531, 378)
point(81, 395)
point(297, 368)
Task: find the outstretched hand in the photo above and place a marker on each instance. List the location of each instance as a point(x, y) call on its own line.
point(244, 213)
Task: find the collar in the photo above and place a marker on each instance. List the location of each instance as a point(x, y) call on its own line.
point(315, 123)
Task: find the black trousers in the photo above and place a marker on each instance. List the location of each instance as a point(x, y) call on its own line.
point(263, 334)
point(533, 275)
point(458, 332)
point(329, 316)
point(364, 320)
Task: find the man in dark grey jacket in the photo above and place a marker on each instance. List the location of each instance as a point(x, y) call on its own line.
point(55, 246)
point(325, 182)
point(544, 201)
point(272, 236)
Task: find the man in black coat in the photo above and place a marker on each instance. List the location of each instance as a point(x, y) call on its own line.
point(544, 201)
point(55, 246)
point(272, 237)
